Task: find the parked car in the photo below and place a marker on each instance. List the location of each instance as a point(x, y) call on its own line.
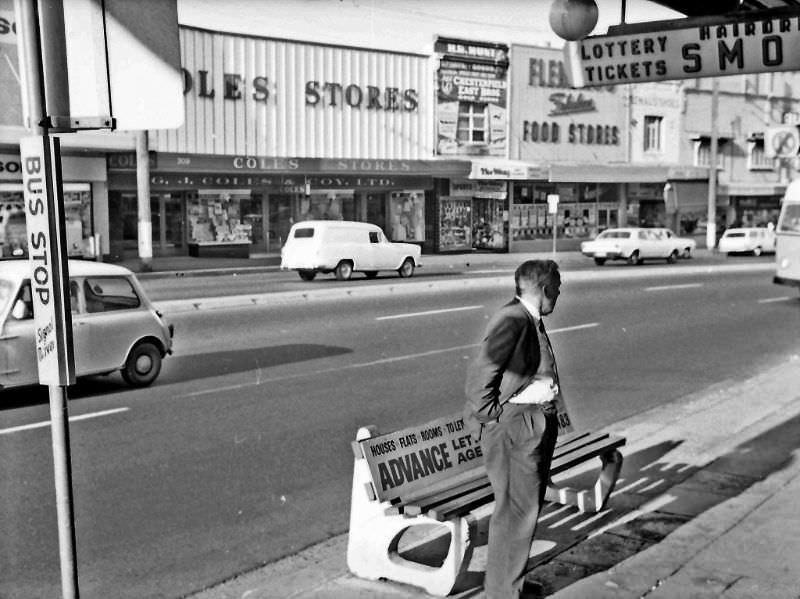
point(635, 245)
point(343, 247)
point(114, 325)
point(754, 240)
point(685, 245)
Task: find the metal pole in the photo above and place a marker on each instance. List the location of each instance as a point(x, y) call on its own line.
point(555, 230)
point(711, 229)
point(145, 218)
point(43, 61)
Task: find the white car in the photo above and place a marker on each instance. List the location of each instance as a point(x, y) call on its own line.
point(114, 325)
point(342, 247)
point(635, 245)
point(755, 240)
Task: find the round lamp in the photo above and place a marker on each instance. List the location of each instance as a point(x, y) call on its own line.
point(573, 19)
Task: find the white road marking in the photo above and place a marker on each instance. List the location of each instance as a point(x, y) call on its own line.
point(774, 299)
point(34, 425)
point(428, 312)
point(671, 287)
point(306, 374)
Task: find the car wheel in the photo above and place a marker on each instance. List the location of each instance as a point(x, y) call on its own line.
point(344, 270)
point(599, 261)
point(757, 251)
point(673, 257)
point(307, 275)
point(687, 253)
point(634, 258)
point(371, 274)
point(407, 268)
point(143, 365)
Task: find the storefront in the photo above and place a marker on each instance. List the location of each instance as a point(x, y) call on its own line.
point(84, 202)
point(241, 206)
point(753, 204)
point(278, 132)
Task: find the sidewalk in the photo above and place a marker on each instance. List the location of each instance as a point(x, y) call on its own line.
point(188, 266)
point(705, 507)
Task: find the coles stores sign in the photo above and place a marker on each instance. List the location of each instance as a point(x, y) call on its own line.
point(10, 167)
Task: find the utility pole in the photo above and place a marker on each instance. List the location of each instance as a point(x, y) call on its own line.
point(145, 217)
point(711, 229)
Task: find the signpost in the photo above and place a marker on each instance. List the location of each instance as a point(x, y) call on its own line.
point(116, 50)
point(552, 208)
point(763, 41)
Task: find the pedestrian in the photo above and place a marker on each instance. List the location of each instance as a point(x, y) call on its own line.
point(511, 388)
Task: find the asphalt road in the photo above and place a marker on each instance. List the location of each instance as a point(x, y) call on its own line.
point(239, 454)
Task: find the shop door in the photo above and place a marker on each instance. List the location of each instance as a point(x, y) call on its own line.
point(166, 213)
point(488, 227)
point(280, 221)
point(253, 215)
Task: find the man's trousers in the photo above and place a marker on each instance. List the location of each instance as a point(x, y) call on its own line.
point(518, 449)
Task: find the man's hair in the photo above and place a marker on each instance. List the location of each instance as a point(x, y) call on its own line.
point(537, 272)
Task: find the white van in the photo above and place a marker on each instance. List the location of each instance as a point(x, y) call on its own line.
point(341, 247)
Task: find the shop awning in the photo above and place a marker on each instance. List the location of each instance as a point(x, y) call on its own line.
point(608, 173)
point(498, 168)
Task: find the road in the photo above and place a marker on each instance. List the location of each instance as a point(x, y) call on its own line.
point(240, 453)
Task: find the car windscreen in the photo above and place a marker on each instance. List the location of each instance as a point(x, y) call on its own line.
point(6, 294)
point(614, 235)
point(304, 232)
point(790, 219)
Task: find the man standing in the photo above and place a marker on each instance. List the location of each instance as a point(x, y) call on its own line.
point(510, 391)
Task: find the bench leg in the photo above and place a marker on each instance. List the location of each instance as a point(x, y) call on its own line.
point(374, 536)
point(587, 500)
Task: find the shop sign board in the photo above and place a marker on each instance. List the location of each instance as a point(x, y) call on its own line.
point(552, 203)
point(41, 177)
point(10, 98)
point(471, 76)
point(10, 167)
point(753, 42)
point(551, 122)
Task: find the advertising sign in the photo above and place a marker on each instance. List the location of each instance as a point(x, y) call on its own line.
point(551, 122)
point(41, 177)
point(472, 98)
point(767, 41)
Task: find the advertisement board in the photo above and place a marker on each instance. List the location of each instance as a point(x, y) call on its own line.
point(472, 98)
point(766, 41)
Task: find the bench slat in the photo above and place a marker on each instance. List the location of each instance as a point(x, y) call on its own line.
point(463, 497)
point(585, 452)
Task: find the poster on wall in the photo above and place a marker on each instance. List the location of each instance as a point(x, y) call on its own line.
point(455, 224)
point(472, 98)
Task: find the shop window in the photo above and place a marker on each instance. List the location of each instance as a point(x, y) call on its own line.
point(216, 218)
point(77, 220)
point(455, 223)
point(407, 215)
point(327, 206)
point(653, 133)
point(472, 122)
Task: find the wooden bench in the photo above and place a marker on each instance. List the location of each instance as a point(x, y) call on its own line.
point(432, 474)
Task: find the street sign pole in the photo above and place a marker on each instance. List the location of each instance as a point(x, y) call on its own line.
point(552, 208)
point(44, 76)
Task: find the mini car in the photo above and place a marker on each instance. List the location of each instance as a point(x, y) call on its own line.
point(114, 325)
point(753, 240)
point(635, 245)
point(344, 247)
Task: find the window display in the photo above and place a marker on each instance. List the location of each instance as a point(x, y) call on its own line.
point(327, 206)
point(455, 229)
point(216, 218)
point(407, 220)
point(77, 220)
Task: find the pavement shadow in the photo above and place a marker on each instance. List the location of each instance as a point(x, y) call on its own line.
point(178, 369)
point(653, 496)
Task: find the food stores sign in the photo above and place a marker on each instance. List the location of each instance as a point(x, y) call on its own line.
point(687, 48)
